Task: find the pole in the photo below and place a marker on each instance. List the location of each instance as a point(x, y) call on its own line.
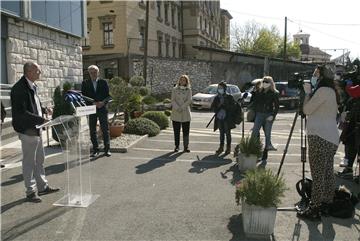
point(146, 41)
point(285, 40)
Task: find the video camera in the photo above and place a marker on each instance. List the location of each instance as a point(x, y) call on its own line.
point(296, 80)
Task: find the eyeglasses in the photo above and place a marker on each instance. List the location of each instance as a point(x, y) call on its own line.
point(266, 81)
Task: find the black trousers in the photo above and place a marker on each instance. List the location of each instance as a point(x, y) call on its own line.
point(102, 115)
point(185, 129)
point(224, 130)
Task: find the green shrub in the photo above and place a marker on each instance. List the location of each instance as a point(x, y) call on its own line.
point(158, 117)
point(149, 100)
point(166, 101)
point(142, 126)
point(167, 112)
point(161, 96)
point(261, 188)
point(249, 146)
point(137, 81)
point(143, 91)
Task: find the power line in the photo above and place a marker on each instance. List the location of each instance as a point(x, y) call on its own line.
point(319, 31)
point(331, 24)
point(255, 15)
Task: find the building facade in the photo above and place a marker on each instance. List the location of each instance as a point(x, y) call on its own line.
point(46, 32)
point(309, 53)
point(116, 31)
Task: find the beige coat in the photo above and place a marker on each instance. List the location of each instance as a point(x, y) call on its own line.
point(180, 102)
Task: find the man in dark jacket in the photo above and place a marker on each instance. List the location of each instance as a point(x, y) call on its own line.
point(26, 114)
point(98, 90)
point(223, 106)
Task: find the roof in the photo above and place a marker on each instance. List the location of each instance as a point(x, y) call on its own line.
point(226, 12)
point(310, 50)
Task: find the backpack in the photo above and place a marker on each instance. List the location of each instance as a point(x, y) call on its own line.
point(238, 114)
point(344, 203)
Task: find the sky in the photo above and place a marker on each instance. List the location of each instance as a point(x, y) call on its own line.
point(331, 24)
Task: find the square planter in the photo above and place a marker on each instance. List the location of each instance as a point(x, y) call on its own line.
point(246, 162)
point(258, 222)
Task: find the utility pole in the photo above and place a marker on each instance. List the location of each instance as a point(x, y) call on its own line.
point(285, 40)
point(146, 41)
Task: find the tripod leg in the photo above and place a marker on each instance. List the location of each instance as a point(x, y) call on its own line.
point(287, 143)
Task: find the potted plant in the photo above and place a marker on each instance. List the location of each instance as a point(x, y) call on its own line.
point(247, 152)
point(260, 192)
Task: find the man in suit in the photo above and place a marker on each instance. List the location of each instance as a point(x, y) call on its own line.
point(98, 90)
point(26, 114)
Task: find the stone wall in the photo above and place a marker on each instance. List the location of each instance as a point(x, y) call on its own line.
point(59, 55)
point(162, 73)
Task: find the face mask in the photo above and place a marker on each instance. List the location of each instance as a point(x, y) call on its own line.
point(313, 81)
point(221, 91)
point(266, 85)
point(182, 87)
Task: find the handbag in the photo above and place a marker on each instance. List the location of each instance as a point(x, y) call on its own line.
point(250, 115)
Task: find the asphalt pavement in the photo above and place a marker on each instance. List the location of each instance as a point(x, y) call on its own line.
point(151, 193)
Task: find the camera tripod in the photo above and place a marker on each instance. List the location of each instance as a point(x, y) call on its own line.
point(303, 203)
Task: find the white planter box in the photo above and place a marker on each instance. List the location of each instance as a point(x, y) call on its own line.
point(258, 221)
point(246, 162)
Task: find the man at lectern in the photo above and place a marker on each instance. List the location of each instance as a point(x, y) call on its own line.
point(98, 90)
point(27, 112)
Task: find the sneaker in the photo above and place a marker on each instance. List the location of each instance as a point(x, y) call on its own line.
point(95, 153)
point(346, 173)
point(186, 150)
point(48, 190)
point(33, 198)
point(310, 213)
point(176, 149)
point(344, 162)
point(107, 153)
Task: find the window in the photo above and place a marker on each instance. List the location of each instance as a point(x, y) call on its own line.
point(167, 46)
point(11, 7)
point(108, 34)
point(4, 79)
point(174, 49)
point(201, 23)
point(166, 7)
point(142, 37)
point(64, 15)
point(160, 39)
point(179, 19)
point(173, 12)
point(158, 9)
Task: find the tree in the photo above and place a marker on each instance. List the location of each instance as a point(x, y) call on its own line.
point(255, 38)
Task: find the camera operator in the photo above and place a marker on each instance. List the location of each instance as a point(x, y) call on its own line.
point(349, 135)
point(321, 109)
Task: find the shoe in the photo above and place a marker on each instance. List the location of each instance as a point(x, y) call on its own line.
point(107, 153)
point(221, 149)
point(227, 150)
point(33, 198)
point(271, 148)
point(48, 190)
point(346, 173)
point(176, 149)
point(310, 213)
point(95, 154)
point(344, 162)
point(186, 150)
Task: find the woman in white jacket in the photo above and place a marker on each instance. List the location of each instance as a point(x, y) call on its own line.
point(180, 114)
point(321, 110)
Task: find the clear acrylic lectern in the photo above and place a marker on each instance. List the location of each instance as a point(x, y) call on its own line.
point(74, 137)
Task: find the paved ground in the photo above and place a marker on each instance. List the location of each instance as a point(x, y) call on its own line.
point(151, 193)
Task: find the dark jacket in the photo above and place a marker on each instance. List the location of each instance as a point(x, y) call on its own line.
point(265, 102)
point(228, 106)
point(101, 94)
point(23, 107)
point(3, 113)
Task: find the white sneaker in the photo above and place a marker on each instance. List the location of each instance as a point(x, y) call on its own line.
point(344, 162)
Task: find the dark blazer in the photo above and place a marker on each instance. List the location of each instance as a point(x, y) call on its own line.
point(101, 94)
point(23, 108)
point(228, 106)
point(265, 102)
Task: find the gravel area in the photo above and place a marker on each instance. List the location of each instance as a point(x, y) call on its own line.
point(124, 140)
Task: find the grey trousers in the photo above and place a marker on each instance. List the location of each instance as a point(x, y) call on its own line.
point(32, 163)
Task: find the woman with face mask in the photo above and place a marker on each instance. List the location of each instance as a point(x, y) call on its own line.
point(266, 105)
point(223, 106)
point(321, 108)
point(180, 114)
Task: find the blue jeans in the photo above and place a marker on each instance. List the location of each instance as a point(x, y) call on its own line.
point(260, 120)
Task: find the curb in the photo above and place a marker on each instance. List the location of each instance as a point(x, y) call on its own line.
point(125, 149)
